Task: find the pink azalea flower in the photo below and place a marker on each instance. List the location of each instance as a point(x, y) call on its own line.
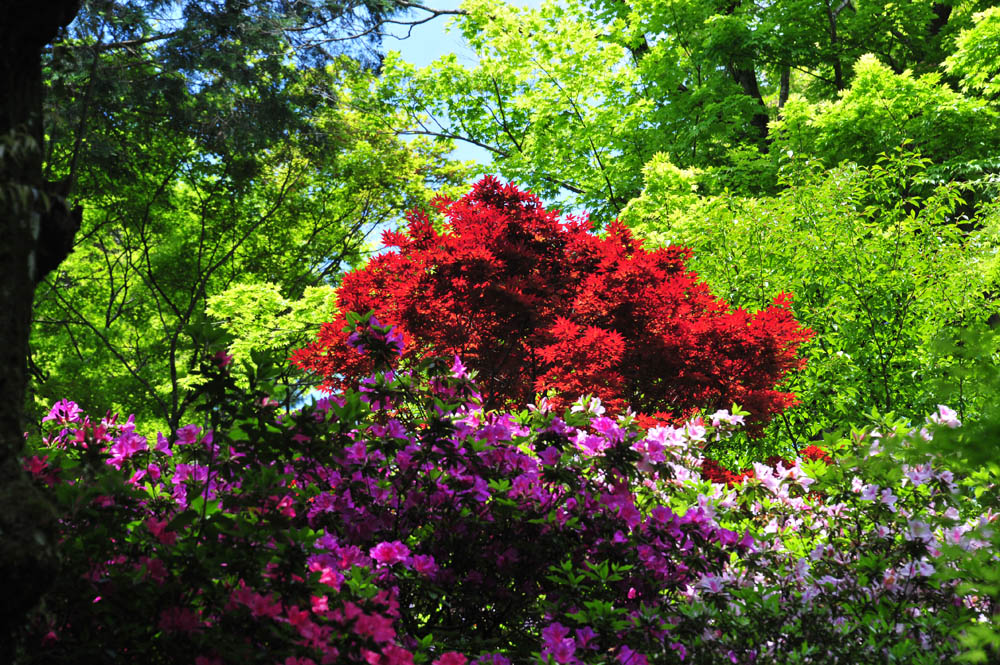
point(375, 626)
point(451, 658)
point(179, 620)
point(64, 411)
point(396, 655)
point(188, 434)
point(389, 553)
point(162, 445)
point(946, 417)
point(627, 656)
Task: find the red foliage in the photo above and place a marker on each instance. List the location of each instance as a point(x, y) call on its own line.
point(814, 453)
point(712, 470)
point(534, 304)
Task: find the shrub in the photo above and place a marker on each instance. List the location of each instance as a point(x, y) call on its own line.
point(402, 523)
point(534, 304)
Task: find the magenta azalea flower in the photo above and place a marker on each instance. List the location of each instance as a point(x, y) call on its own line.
point(451, 658)
point(390, 552)
point(188, 434)
point(64, 411)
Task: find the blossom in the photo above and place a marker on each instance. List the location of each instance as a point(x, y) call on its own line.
point(376, 626)
point(592, 405)
point(262, 606)
point(64, 411)
point(920, 568)
point(425, 565)
point(163, 445)
point(608, 428)
point(188, 434)
point(889, 499)
point(179, 620)
point(159, 530)
point(397, 655)
point(626, 656)
point(724, 417)
point(557, 644)
point(946, 417)
point(919, 531)
point(711, 583)
point(918, 475)
point(222, 359)
point(451, 658)
point(388, 553)
point(590, 445)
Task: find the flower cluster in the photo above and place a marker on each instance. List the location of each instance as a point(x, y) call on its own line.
point(425, 528)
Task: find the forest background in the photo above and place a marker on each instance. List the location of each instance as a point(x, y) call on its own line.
point(231, 161)
point(844, 155)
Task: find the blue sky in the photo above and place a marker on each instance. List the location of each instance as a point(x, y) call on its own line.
point(429, 41)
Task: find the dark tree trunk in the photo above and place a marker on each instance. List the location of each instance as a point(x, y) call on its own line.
point(36, 231)
point(838, 67)
point(942, 13)
point(747, 78)
point(744, 73)
point(786, 84)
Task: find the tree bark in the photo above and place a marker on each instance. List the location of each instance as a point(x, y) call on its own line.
point(838, 67)
point(786, 80)
point(747, 78)
point(36, 232)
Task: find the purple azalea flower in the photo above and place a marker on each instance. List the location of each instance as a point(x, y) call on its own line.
point(188, 434)
point(162, 445)
point(64, 411)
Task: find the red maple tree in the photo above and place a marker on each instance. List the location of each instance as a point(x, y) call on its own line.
point(533, 304)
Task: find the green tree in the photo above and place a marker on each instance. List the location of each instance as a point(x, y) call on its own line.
point(173, 220)
point(976, 59)
point(210, 146)
point(882, 110)
point(573, 99)
point(898, 291)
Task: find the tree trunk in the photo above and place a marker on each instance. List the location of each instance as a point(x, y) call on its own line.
point(36, 231)
point(786, 84)
point(747, 78)
point(838, 67)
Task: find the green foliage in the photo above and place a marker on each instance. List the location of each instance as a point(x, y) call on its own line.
point(883, 110)
point(549, 97)
point(899, 293)
point(667, 193)
point(262, 324)
point(976, 60)
point(191, 188)
point(574, 99)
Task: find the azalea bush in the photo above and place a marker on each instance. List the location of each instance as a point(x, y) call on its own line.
point(535, 304)
point(400, 522)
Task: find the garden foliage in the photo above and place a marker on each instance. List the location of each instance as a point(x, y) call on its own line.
point(533, 305)
point(401, 523)
point(896, 274)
